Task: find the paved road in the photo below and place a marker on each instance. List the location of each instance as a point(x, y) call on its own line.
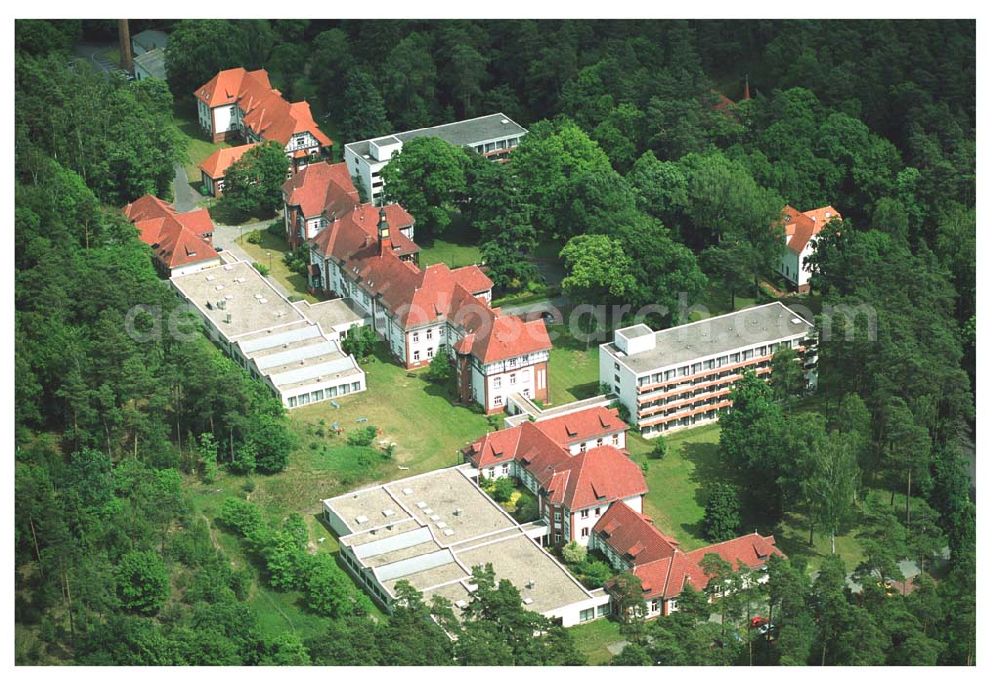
point(94, 53)
point(551, 304)
point(185, 197)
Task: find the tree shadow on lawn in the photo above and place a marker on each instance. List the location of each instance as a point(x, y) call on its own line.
point(581, 391)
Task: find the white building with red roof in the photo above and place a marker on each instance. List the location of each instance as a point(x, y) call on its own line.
point(575, 463)
point(213, 169)
point(367, 255)
point(181, 242)
point(238, 103)
point(632, 543)
point(801, 228)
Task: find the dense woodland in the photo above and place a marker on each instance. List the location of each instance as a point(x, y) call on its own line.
point(651, 190)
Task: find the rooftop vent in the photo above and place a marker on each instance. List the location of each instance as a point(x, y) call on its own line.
point(407, 491)
point(504, 120)
point(527, 600)
point(458, 512)
point(209, 277)
point(796, 321)
point(460, 604)
point(388, 512)
point(361, 519)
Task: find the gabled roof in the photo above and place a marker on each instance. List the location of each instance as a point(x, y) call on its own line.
point(147, 206)
point(753, 550)
point(177, 239)
point(543, 435)
point(800, 227)
point(220, 160)
point(321, 188)
point(582, 425)
point(266, 112)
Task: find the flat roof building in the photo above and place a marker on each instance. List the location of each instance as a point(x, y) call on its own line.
point(493, 136)
point(432, 529)
point(681, 376)
point(293, 348)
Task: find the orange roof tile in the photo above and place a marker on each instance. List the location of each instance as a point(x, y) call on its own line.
point(221, 159)
point(800, 227)
point(177, 239)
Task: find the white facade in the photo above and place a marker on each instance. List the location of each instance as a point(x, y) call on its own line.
point(682, 389)
point(793, 266)
point(188, 268)
point(585, 520)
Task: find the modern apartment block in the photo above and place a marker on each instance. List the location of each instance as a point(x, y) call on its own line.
point(681, 377)
point(493, 136)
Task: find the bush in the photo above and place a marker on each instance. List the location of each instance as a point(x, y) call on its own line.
point(277, 228)
point(255, 237)
point(249, 486)
point(440, 370)
point(360, 341)
point(502, 489)
point(594, 573)
point(242, 516)
point(262, 269)
point(142, 581)
point(244, 460)
point(362, 436)
point(659, 448)
point(574, 553)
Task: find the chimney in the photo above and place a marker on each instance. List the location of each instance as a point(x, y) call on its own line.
point(384, 243)
point(125, 46)
point(746, 87)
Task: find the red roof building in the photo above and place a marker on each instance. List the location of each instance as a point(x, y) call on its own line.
point(801, 228)
point(367, 254)
point(213, 169)
point(632, 543)
point(574, 486)
point(241, 103)
point(181, 242)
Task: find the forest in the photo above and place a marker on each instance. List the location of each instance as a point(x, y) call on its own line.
point(653, 184)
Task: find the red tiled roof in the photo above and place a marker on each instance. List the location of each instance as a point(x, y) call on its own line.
point(472, 278)
point(221, 159)
point(146, 207)
point(322, 188)
point(266, 112)
point(530, 438)
point(582, 425)
point(753, 550)
point(177, 239)
point(800, 227)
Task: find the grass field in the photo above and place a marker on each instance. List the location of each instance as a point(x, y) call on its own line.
point(450, 249)
point(573, 367)
point(198, 144)
point(271, 252)
point(593, 639)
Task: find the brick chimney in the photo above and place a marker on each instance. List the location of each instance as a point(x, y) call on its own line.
point(125, 46)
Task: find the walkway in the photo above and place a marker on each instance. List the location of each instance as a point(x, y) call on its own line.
point(185, 196)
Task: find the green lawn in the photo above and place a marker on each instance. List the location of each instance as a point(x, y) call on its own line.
point(451, 253)
point(593, 639)
point(198, 145)
point(573, 367)
point(271, 252)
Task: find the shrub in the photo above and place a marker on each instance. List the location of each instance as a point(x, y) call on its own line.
point(142, 582)
point(242, 516)
point(502, 489)
point(659, 448)
point(244, 460)
point(360, 341)
point(262, 269)
point(255, 237)
point(440, 370)
point(574, 553)
point(362, 436)
point(249, 486)
point(594, 573)
point(495, 421)
point(277, 228)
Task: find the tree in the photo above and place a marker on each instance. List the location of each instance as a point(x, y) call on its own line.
point(241, 515)
point(727, 264)
point(598, 270)
point(360, 341)
point(253, 182)
point(440, 370)
point(328, 589)
point(272, 441)
point(574, 553)
point(429, 178)
point(199, 48)
point(502, 488)
point(660, 448)
point(787, 379)
point(362, 436)
point(631, 608)
point(833, 482)
point(142, 581)
point(208, 457)
point(722, 513)
point(363, 109)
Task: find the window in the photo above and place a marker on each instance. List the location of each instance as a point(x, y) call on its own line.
point(496, 382)
point(416, 354)
point(356, 386)
point(430, 351)
point(585, 531)
point(524, 359)
point(497, 400)
point(300, 141)
point(584, 514)
point(600, 441)
point(617, 367)
point(558, 538)
point(597, 512)
point(430, 333)
point(506, 468)
point(587, 614)
point(416, 336)
point(654, 606)
point(513, 378)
